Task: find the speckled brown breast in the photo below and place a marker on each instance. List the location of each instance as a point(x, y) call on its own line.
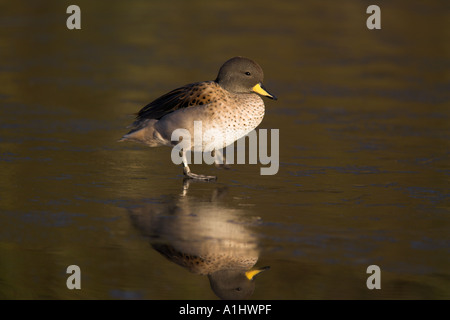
point(206, 264)
point(228, 117)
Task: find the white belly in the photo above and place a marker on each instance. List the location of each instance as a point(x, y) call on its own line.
point(210, 129)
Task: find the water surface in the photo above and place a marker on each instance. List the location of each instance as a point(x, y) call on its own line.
point(364, 151)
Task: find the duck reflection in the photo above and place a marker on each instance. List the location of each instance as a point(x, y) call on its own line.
point(205, 236)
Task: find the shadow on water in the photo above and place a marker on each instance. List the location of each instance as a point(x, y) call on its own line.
point(204, 236)
point(364, 152)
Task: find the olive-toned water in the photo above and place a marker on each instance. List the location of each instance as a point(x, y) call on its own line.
point(364, 151)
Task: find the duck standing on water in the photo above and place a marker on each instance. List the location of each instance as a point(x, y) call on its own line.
point(229, 106)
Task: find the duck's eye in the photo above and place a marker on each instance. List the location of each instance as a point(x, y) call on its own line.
point(247, 73)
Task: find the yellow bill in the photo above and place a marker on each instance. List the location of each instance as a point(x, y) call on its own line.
point(253, 272)
point(259, 89)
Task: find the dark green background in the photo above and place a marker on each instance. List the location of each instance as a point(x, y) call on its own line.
point(364, 146)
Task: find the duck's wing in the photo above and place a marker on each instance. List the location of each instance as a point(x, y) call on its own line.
point(194, 94)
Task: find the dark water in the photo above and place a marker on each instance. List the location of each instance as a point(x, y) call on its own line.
point(364, 151)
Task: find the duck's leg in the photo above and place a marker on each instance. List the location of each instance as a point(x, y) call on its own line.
point(219, 160)
point(187, 172)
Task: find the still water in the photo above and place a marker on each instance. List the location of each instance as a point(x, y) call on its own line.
point(364, 152)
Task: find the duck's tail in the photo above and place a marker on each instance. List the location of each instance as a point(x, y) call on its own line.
point(144, 133)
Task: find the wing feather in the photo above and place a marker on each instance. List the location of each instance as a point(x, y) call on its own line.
point(187, 96)
point(190, 95)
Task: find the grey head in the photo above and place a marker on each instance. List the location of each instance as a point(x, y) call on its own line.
point(234, 284)
point(242, 75)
